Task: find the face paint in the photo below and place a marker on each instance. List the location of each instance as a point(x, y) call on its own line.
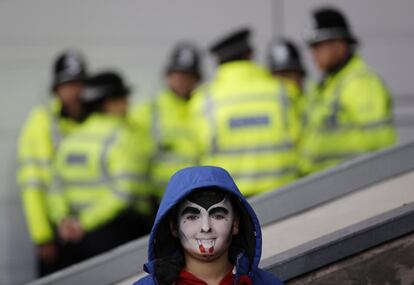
point(205, 233)
point(206, 198)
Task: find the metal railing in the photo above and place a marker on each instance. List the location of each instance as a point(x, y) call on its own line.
point(307, 193)
point(342, 244)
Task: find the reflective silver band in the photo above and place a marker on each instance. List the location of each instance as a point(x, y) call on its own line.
point(156, 131)
point(37, 184)
point(335, 156)
point(107, 143)
point(377, 124)
point(131, 197)
point(173, 158)
point(34, 162)
point(54, 128)
point(105, 180)
point(246, 98)
point(363, 127)
point(78, 206)
point(209, 109)
point(284, 102)
point(266, 174)
point(256, 149)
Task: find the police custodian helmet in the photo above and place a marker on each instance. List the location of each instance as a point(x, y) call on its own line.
point(283, 55)
point(185, 57)
point(69, 66)
point(329, 24)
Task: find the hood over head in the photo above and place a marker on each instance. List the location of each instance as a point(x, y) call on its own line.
point(163, 244)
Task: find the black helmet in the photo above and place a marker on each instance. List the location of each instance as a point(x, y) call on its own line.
point(103, 85)
point(185, 57)
point(329, 24)
point(284, 56)
point(69, 66)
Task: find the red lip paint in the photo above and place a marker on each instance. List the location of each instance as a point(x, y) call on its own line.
point(211, 249)
point(201, 248)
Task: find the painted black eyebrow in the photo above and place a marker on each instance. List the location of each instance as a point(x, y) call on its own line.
point(190, 210)
point(218, 210)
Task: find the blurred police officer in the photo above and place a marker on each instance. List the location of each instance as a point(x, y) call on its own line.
point(285, 62)
point(240, 122)
point(39, 138)
point(100, 173)
point(351, 112)
point(165, 117)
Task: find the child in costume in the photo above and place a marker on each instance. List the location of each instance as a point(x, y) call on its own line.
point(205, 232)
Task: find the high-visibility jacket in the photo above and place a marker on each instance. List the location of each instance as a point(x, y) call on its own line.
point(348, 115)
point(293, 102)
point(38, 140)
point(301, 102)
point(240, 123)
point(297, 99)
point(165, 121)
point(100, 170)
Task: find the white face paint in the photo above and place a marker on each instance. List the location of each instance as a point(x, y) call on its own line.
point(206, 233)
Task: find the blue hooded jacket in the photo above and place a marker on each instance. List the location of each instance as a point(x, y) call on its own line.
point(247, 245)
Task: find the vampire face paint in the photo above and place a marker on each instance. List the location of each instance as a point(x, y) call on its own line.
point(206, 233)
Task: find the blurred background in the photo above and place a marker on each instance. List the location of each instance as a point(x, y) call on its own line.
point(135, 37)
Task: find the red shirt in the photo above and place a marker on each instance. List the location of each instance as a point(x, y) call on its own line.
point(186, 278)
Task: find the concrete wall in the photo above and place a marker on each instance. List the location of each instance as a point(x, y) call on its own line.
point(135, 36)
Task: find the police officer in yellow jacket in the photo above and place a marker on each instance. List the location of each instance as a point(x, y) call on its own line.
point(350, 113)
point(100, 173)
point(165, 117)
point(240, 122)
point(285, 62)
point(39, 138)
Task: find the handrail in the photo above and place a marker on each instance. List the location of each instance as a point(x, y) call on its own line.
point(333, 183)
point(306, 193)
point(341, 244)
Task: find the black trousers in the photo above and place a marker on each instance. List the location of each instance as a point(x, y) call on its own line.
point(126, 227)
point(46, 268)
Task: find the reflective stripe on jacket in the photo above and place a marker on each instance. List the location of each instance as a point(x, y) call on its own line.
point(351, 114)
point(240, 123)
point(38, 140)
point(100, 170)
point(165, 120)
